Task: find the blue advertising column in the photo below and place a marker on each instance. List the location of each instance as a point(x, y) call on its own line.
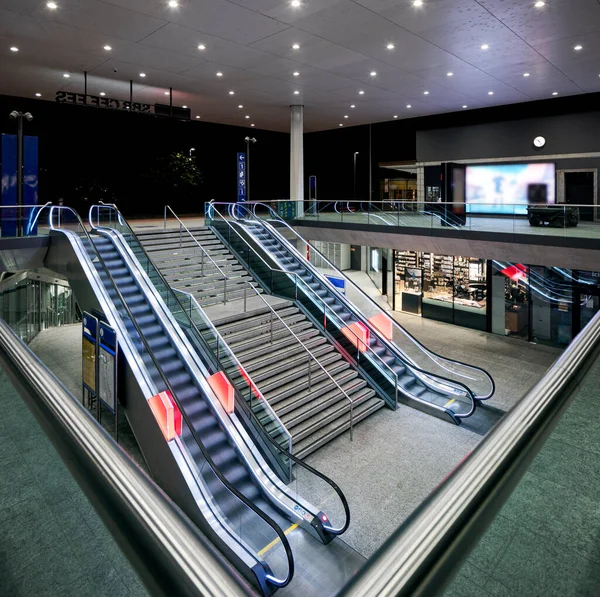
point(241, 177)
point(9, 184)
point(30, 181)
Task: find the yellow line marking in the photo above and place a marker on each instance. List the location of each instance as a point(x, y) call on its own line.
point(449, 402)
point(273, 543)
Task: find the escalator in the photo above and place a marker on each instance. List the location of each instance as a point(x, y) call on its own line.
point(368, 340)
point(212, 468)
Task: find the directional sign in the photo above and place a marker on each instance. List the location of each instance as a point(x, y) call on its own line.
point(241, 177)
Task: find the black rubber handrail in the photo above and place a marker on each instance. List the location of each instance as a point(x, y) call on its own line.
point(265, 517)
point(198, 334)
point(413, 338)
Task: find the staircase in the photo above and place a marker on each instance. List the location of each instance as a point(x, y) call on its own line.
point(310, 405)
point(185, 267)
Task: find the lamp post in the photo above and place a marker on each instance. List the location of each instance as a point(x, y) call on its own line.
point(354, 188)
point(190, 152)
point(18, 116)
point(248, 141)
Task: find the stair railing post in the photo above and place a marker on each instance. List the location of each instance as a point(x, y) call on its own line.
point(396, 399)
point(225, 289)
point(180, 234)
point(271, 325)
point(245, 294)
point(165, 219)
point(202, 263)
point(309, 375)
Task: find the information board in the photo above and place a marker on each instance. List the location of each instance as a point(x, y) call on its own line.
point(107, 367)
point(338, 283)
point(89, 346)
point(287, 209)
point(241, 180)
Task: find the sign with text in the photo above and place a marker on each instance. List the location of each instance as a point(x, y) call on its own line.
point(95, 101)
point(89, 345)
point(241, 174)
point(338, 283)
point(107, 367)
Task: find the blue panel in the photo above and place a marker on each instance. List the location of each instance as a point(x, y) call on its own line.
point(339, 283)
point(30, 180)
point(241, 177)
point(9, 184)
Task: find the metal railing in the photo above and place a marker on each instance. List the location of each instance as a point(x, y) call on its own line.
point(435, 358)
point(176, 559)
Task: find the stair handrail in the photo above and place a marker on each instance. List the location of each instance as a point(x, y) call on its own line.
point(255, 388)
point(433, 355)
point(232, 489)
point(430, 379)
point(358, 341)
point(193, 325)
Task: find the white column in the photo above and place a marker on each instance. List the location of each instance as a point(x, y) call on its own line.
point(297, 157)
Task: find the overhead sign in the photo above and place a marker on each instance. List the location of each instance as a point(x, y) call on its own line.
point(95, 101)
point(338, 283)
point(107, 367)
point(241, 177)
point(89, 345)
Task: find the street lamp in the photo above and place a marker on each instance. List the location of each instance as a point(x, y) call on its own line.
point(18, 116)
point(248, 140)
point(190, 152)
point(354, 193)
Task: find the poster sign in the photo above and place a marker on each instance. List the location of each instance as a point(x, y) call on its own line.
point(338, 283)
point(89, 349)
point(241, 177)
point(107, 367)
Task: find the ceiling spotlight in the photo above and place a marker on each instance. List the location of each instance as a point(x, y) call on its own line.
point(539, 4)
point(485, 47)
point(166, 93)
point(408, 106)
point(52, 5)
point(296, 74)
point(490, 93)
point(296, 93)
point(390, 46)
point(66, 75)
point(14, 49)
point(240, 106)
point(345, 115)
point(295, 3)
point(361, 92)
point(184, 107)
point(373, 73)
point(426, 93)
point(108, 48)
point(173, 3)
point(418, 3)
point(576, 48)
point(465, 106)
point(142, 75)
point(251, 125)
point(296, 47)
point(341, 124)
point(555, 93)
point(38, 95)
point(232, 93)
point(102, 93)
point(247, 116)
point(197, 117)
point(526, 74)
point(395, 115)
point(202, 47)
point(449, 74)
point(219, 74)
point(353, 106)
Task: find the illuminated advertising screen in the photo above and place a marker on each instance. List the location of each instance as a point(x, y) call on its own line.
point(509, 188)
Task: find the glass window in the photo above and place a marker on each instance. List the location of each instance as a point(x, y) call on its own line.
point(470, 290)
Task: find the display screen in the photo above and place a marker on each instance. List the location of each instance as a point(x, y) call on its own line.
point(509, 188)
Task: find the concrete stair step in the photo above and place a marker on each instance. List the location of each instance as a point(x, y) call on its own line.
point(311, 339)
point(290, 358)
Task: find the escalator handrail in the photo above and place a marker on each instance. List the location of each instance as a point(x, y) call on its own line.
point(233, 490)
point(177, 558)
point(192, 324)
point(412, 338)
point(424, 553)
point(300, 282)
point(289, 455)
point(33, 222)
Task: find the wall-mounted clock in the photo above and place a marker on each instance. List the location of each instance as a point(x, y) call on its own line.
point(539, 142)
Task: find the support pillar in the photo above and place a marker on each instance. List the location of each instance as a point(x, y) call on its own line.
point(297, 158)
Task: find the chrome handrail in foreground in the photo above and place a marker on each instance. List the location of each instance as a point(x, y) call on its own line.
point(422, 556)
point(169, 554)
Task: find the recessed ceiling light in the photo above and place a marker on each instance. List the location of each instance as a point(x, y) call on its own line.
point(14, 49)
point(485, 46)
point(247, 116)
point(490, 93)
point(142, 75)
point(345, 115)
point(408, 106)
point(166, 93)
point(373, 73)
point(173, 3)
point(526, 75)
point(102, 93)
point(539, 4)
point(184, 107)
point(576, 48)
point(395, 115)
point(202, 47)
point(296, 93)
point(341, 124)
point(38, 95)
point(251, 125)
point(296, 47)
point(52, 5)
point(449, 74)
point(390, 46)
point(295, 3)
point(197, 117)
point(219, 74)
point(361, 92)
point(108, 48)
point(66, 75)
point(296, 74)
point(240, 106)
point(426, 93)
point(232, 93)
point(353, 106)
point(418, 3)
point(465, 106)
point(555, 93)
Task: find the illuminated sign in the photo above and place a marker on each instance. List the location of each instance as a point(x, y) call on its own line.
point(95, 101)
